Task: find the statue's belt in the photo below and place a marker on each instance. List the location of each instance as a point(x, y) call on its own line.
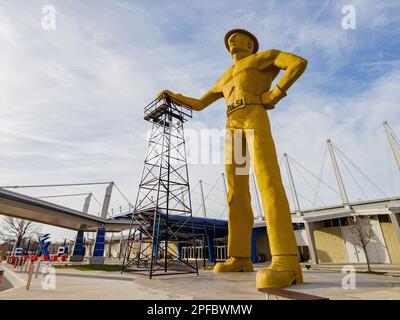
point(241, 103)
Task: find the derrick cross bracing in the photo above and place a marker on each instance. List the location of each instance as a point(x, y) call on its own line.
point(163, 206)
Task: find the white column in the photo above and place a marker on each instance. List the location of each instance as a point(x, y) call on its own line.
point(224, 183)
point(311, 241)
point(393, 145)
point(224, 187)
point(203, 202)
point(396, 223)
point(106, 202)
point(87, 203)
point(292, 185)
point(258, 203)
point(339, 179)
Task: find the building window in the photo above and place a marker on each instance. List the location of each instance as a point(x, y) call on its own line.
point(344, 221)
point(298, 226)
point(384, 218)
point(338, 222)
point(328, 223)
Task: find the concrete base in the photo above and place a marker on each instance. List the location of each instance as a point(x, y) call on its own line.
point(207, 286)
point(76, 258)
point(96, 260)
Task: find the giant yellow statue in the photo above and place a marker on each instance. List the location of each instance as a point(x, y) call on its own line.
point(246, 87)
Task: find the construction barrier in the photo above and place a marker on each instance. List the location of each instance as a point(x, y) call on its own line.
point(21, 263)
point(16, 262)
point(24, 261)
point(30, 265)
point(10, 259)
point(28, 283)
point(38, 267)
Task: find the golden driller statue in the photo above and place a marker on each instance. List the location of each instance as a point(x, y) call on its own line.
point(246, 87)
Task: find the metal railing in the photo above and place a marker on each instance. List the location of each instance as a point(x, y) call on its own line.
point(173, 106)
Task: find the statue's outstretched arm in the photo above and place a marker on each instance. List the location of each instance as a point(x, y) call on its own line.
point(196, 104)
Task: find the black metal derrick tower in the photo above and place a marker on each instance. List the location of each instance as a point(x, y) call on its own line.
point(162, 218)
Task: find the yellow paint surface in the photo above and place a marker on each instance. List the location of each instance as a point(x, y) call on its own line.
point(330, 245)
point(392, 242)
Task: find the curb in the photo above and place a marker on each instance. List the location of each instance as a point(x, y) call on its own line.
point(16, 280)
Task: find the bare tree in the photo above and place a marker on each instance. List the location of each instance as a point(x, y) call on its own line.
point(3, 250)
point(361, 230)
point(18, 229)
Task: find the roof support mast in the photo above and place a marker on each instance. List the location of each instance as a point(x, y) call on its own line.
point(203, 201)
point(393, 144)
point(339, 179)
point(292, 185)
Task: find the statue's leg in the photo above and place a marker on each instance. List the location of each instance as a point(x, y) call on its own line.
point(240, 214)
point(285, 268)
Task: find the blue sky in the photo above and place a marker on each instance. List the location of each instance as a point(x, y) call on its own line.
point(72, 99)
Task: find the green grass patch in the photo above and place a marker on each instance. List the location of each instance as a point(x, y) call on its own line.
point(92, 267)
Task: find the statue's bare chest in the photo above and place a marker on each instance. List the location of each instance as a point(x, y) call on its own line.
point(246, 76)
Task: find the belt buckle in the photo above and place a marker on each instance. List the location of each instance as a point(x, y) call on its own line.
point(235, 105)
point(239, 102)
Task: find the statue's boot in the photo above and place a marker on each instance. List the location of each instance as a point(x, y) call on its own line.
point(234, 264)
point(284, 271)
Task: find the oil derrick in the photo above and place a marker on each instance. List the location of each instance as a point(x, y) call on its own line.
point(162, 222)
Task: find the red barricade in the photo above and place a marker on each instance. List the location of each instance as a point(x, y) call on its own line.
point(31, 265)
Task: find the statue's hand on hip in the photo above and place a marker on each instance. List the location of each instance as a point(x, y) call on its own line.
point(272, 98)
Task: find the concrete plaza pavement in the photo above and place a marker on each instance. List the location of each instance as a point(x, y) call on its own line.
point(6, 284)
point(74, 284)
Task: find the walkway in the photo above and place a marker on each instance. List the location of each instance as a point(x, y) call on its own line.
point(73, 284)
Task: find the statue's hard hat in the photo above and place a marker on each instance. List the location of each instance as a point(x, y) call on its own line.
point(252, 36)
